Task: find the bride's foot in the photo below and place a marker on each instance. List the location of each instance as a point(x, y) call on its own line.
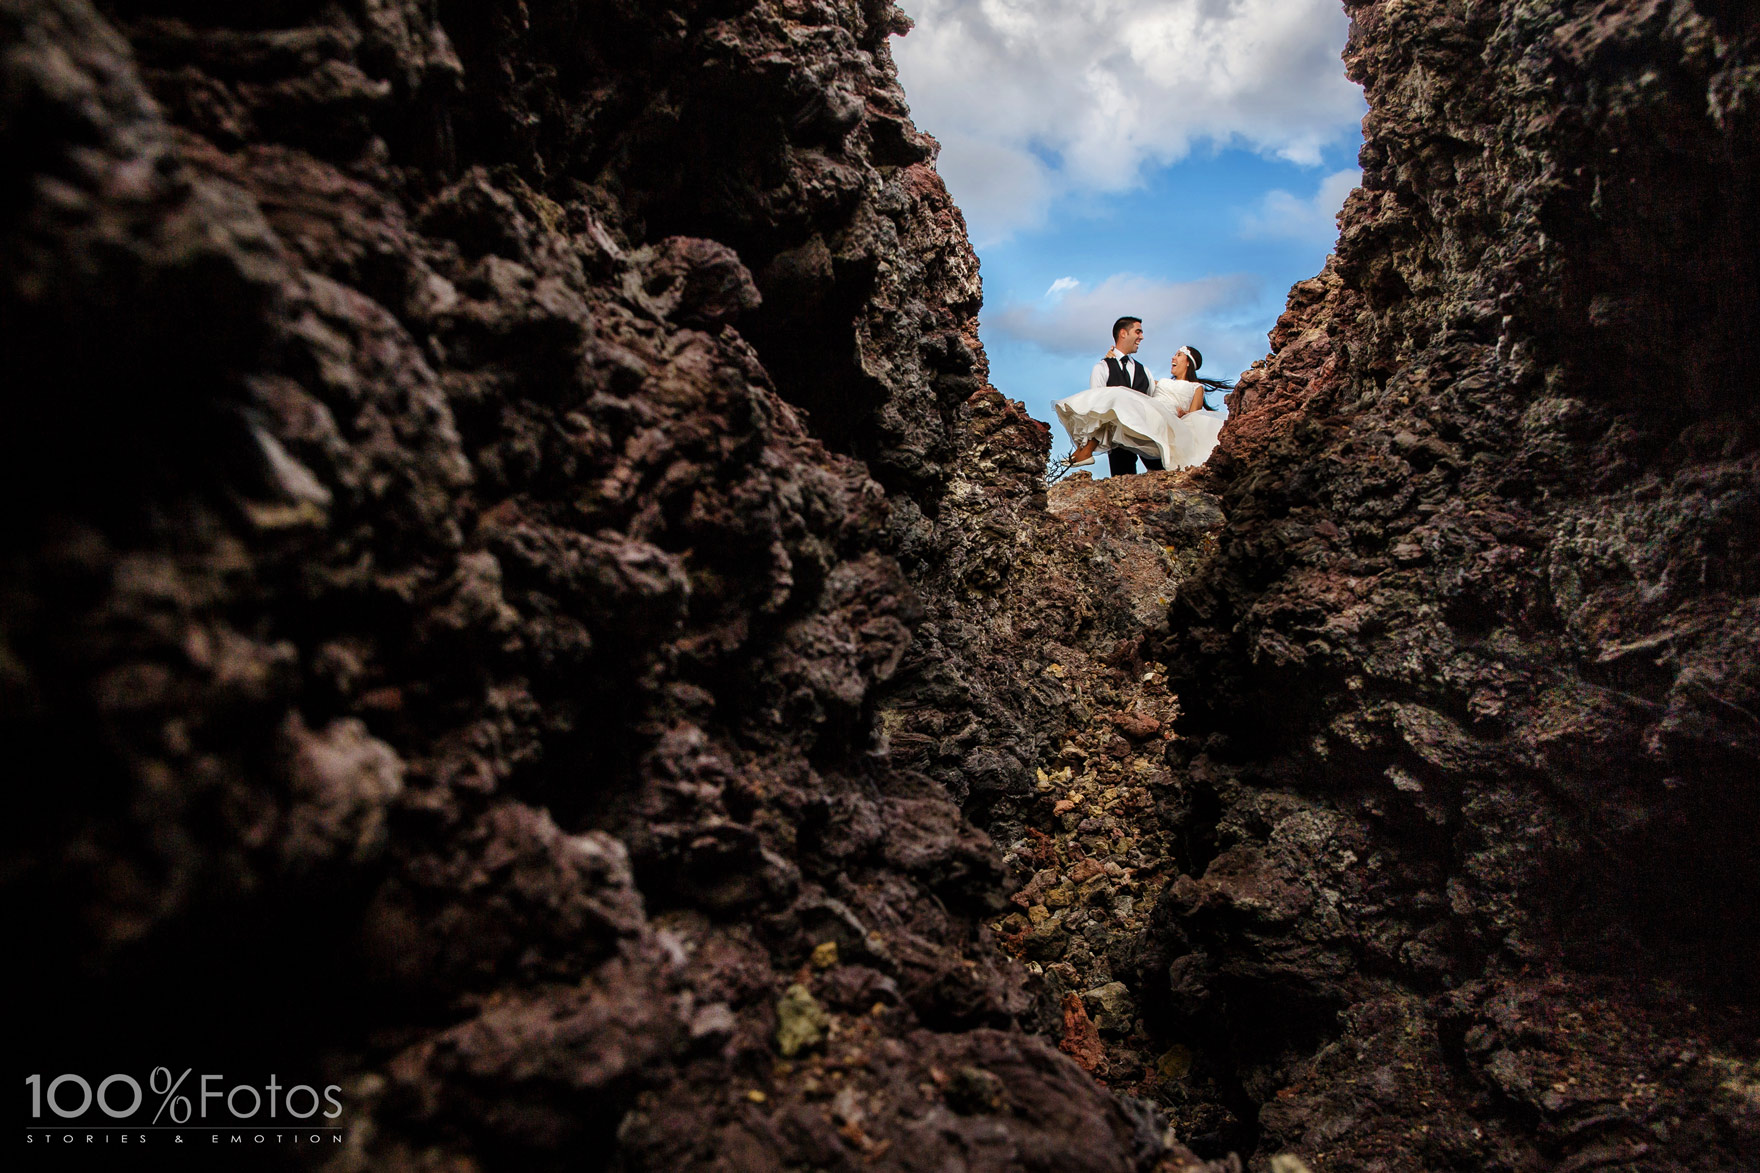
point(1084, 454)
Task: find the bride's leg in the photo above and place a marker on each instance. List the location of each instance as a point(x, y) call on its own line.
point(1098, 437)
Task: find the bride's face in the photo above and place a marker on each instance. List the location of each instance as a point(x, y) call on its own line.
point(1182, 367)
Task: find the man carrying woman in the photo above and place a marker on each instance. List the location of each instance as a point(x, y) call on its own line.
point(1126, 416)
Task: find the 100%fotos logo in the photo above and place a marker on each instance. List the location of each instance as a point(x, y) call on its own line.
point(120, 1097)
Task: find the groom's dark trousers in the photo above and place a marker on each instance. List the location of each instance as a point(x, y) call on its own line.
point(1122, 461)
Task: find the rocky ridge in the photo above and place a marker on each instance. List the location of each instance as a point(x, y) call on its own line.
point(498, 586)
point(1471, 676)
point(466, 448)
point(1463, 687)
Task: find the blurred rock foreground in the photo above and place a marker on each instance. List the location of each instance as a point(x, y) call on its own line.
point(518, 598)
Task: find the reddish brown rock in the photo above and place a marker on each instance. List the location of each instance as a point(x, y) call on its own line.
point(1081, 1038)
point(441, 650)
point(1136, 726)
point(514, 554)
point(1464, 681)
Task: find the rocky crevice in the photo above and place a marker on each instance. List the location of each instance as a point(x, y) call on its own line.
point(519, 567)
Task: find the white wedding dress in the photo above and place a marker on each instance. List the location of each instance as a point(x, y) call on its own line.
point(1149, 425)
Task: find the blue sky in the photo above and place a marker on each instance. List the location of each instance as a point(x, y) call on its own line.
point(1178, 159)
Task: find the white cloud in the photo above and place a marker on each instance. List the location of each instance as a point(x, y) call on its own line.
point(1079, 320)
point(1005, 181)
point(1035, 99)
point(1280, 215)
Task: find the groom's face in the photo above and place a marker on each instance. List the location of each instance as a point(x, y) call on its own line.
point(1129, 338)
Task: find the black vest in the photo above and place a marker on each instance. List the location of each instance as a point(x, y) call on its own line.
point(1115, 376)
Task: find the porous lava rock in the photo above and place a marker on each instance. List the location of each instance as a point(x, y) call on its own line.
point(456, 455)
point(518, 599)
point(1470, 683)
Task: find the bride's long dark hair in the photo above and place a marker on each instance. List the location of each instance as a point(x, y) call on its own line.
point(1197, 357)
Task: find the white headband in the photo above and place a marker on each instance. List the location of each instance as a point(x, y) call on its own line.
point(1190, 357)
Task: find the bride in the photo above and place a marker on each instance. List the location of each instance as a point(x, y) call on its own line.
point(1170, 424)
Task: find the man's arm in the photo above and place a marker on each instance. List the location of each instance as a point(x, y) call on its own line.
point(1098, 376)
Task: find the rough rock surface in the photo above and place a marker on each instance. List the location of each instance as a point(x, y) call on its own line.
point(1470, 683)
point(438, 643)
point(520, 600)
point(1447, 861)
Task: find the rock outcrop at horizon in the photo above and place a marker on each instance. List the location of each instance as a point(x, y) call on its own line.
point(519, 599)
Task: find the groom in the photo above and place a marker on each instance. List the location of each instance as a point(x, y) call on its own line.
point(1119, 369)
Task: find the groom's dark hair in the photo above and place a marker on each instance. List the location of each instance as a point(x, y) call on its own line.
point(1118, 326)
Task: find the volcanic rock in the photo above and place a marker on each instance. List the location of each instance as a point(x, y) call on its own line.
point(521, 600)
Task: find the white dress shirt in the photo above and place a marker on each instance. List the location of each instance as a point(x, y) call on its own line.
point(1098, 376)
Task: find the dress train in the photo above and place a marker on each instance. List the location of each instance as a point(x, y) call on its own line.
point(1150, 425)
